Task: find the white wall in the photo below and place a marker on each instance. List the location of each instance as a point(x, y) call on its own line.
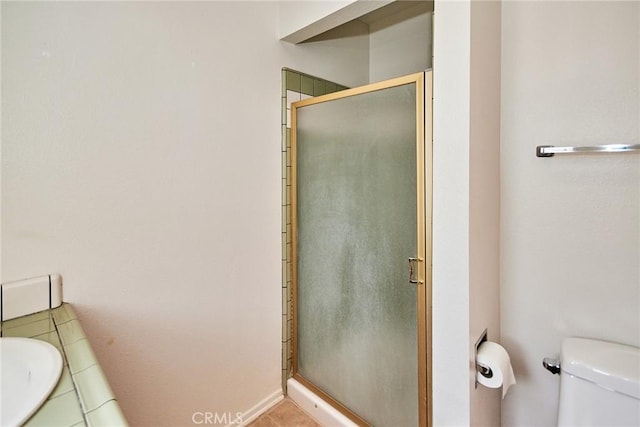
point(466, 206)
point(570, 225)
point(141, 160)
point(451, 90)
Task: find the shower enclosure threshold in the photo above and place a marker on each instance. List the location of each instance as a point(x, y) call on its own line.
point(324, 413)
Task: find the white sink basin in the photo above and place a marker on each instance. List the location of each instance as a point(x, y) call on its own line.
point(29, 371)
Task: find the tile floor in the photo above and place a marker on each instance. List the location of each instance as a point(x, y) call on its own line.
point(285, 414)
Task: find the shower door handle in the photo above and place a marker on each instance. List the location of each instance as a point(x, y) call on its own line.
point(413, 271)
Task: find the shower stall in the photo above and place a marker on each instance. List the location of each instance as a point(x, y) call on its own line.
point(360, 250)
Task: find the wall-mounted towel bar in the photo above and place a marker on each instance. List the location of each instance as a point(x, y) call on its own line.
point(550, 150)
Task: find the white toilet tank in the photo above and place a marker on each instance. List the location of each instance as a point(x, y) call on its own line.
point(599, 385)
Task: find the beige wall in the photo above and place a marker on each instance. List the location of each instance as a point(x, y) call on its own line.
point(400, 44)
point(128, 166)
point(141, 160)
point(570, 225)
point(301, 20)
point(484, 199)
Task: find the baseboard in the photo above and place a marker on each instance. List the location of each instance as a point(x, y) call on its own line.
point(260, 408)
point(320, 410)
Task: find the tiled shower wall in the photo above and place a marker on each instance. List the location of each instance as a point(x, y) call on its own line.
point(296, 86)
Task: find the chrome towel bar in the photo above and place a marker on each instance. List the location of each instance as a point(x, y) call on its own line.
point(551, 150)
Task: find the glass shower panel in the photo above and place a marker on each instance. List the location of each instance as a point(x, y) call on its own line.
point(356, 229)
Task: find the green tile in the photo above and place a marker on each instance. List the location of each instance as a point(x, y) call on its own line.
point(108, 415)
point(285, 306)
point(284, 270)
point(79, 355)
point(288, 137)
point(63, 314)
point(287, 273)
point(293, 81)
point(93, 388)
point(318, 88)
point(283, 163)
point(284, 191)
point(330, 87)
point(64, 410)
point(65, 384)
point(284, 249)
point(306, 85)
point(284, 82)
point(52, 338)
point(23, 320)
point(284, 356)
point(29, 330)
point(284, 328)
point(283, 227)
point(340, 87)
point(283, 133)
point(284, 114)
point(70, 332)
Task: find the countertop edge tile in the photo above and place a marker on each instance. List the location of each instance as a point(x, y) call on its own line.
point(79, 355)
point(93, 389)
point(60, 327)
point(70, 331)
point(105, 414)
point(63, 314)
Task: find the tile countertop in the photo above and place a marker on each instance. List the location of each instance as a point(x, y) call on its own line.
point(83, 396)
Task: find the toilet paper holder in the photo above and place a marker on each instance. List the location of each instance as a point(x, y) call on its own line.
point(485, 371)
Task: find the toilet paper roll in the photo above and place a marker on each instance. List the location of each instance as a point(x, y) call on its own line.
point(494, 356)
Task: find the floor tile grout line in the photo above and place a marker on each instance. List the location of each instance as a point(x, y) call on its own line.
point(274, 421)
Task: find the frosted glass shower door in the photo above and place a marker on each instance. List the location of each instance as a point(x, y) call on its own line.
point(358, 217)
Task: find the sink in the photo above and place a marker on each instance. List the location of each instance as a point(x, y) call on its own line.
point(29, 371)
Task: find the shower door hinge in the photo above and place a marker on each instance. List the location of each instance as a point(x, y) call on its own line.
point(413, 271)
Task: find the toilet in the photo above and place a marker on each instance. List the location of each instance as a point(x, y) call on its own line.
point(599, 384)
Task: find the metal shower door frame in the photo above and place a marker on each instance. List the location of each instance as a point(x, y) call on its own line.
point(424, 137)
